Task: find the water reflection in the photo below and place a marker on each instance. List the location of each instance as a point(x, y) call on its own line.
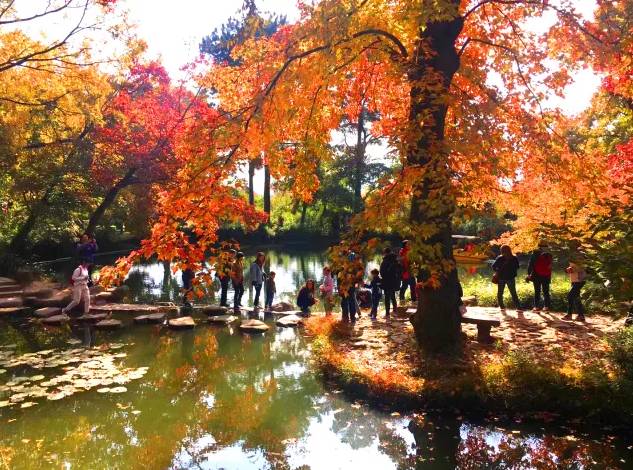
point(214, 398)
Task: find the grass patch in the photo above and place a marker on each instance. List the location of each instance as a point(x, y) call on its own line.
point(486, 291)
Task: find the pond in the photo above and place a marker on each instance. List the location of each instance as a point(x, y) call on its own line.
point(146, 397)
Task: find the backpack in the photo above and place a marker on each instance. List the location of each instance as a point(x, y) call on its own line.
point(393, 271)
point(543, 265)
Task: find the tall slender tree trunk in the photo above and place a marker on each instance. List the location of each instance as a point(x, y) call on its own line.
point(267, 207)
point(109, 198)
point(304, 211)
point(359, 161)
point(437, 320)
point(18, 242)
point(251, 188)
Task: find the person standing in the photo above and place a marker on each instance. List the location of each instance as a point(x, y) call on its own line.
point(349, 306)
point(327, 291)
point(237, 278)
point(188, 275)
point(408, 279)
point(577, 276)
point(376, 293)
point(506, 267)
point(81, 292)
point(271, 290)
point(540, 274)
point(257, 276)
point(391, 274)
point(223, 273)
point(306, 299)
point(86, 249)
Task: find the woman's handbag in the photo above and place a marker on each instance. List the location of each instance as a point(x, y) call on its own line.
point(495, 278)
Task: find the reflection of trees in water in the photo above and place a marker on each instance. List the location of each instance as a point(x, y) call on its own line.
point(207, 390)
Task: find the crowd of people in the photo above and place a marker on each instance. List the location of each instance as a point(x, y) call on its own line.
point(394, 276)
point(539, 273)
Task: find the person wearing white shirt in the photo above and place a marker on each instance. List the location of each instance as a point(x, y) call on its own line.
point(577, 275)
point(81, 292)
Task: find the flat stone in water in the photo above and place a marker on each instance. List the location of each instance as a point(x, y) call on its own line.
point(124, 308)
point(214, 310)
point(254, 326)
point(13, 311)
point(222, 319)
point(92, 317)
point(56, 320)
point(181, 323)
point(151, 318)
point(108, 325)
point(46, 312)
point(11, 302)
point(289, 321)
point(289, 312)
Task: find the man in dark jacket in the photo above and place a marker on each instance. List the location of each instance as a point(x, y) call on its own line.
point(390, 273)
point(540, 274)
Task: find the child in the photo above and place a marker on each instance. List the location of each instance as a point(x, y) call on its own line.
point(237, 278)
point(327, 290)
point(376, 292)
point(80, 287)
point(577, 275)
point(271, 290)
point(306, 299)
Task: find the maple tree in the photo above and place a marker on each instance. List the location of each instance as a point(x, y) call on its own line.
point(577, 192)
point(135, 145)
point(457, 136)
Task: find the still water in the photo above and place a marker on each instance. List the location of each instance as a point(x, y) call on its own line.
point(213, 398)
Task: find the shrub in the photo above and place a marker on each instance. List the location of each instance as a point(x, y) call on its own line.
point(621, 352)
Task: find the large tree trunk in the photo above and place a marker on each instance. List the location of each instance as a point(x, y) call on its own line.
point(267, 191)
point(437, 320)
point(109, 198)
point(18, 242)
point(251, 188)
point(359, 161)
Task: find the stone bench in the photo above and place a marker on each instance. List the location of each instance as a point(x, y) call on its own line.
point(484, 324)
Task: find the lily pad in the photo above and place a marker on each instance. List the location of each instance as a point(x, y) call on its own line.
point(103, 390)
point(118, 390)
point(28, 404)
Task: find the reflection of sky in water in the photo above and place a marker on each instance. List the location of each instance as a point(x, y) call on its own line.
point(322, 448)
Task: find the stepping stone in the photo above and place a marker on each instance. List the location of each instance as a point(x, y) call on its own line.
point(13, 293)
point(254, 326)
point(39, 292)
point(11, 302)
point(6, 280)
point(106, 297)
point(181, 323)
point(290, 312)
point(108, 325)
point(10, 287)
point(125, 308)
point(151, 318)
point(289, 321)
point(56, 320)
point(213, 310)
point(60, 299)
point(92, 317)
point(47, 312)
point(222, 319)
point(13, 311)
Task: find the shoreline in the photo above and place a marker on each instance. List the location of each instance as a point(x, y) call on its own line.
point(481, 381)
